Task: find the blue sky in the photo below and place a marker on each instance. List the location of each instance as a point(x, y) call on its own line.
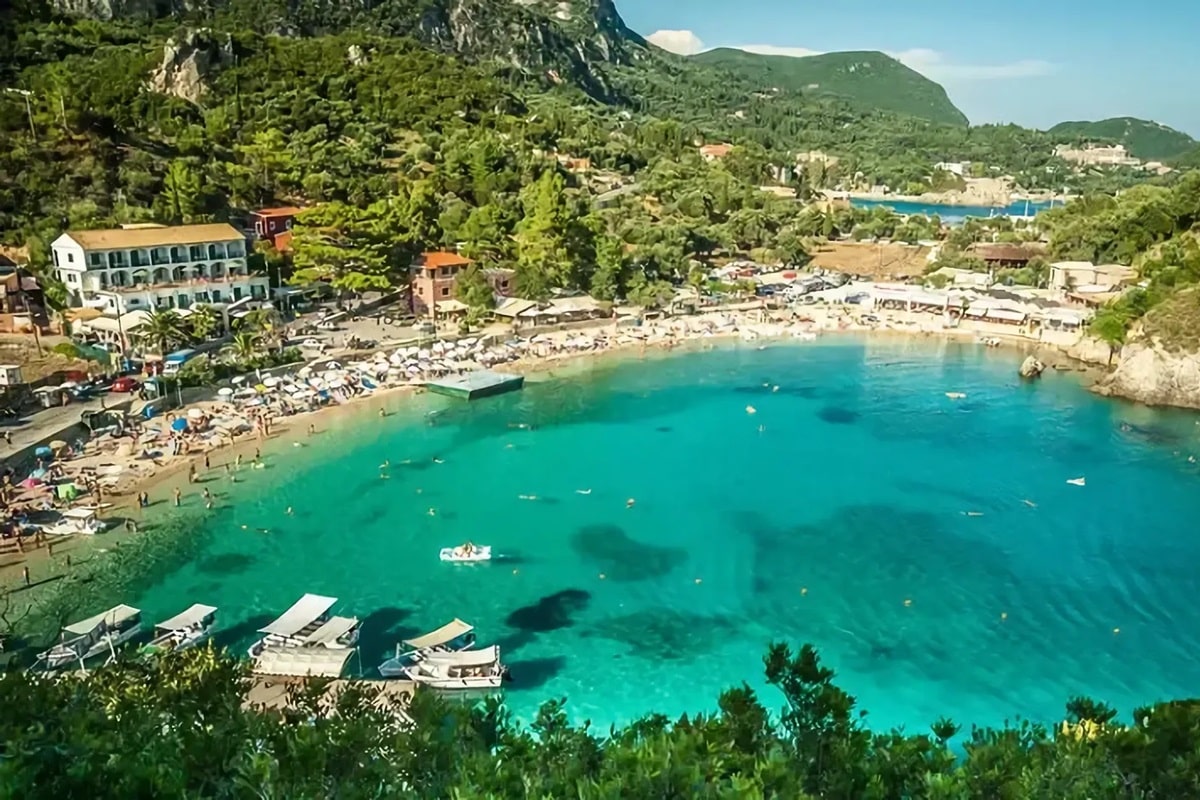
point(1033, 62)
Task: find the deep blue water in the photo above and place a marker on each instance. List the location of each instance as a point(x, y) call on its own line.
point(931, 548)
point(952, 214)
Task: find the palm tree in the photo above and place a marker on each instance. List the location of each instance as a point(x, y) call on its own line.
point(162, 330)
point(261, 323)
point(203, 321)
point(243, 347)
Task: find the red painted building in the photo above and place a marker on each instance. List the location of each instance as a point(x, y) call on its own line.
point(275, 225)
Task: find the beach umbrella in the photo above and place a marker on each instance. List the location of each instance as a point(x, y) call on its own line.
point(42, 450)
point(58, 444)
point(271, 383)
point(179, 424)
point(469, 342)
point(239, 379)
point(195, 413)
point(224, 391)
point(304, 372)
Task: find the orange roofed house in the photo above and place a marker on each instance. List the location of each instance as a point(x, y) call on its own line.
point(714, 152)
point(433, 278)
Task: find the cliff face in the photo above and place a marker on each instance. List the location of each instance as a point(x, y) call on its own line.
point(562, 41)
point(1151, 374)
point(188, 62)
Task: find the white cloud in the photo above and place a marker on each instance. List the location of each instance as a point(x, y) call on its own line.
point(775, 50)
point(933, 64)
point(685, 43)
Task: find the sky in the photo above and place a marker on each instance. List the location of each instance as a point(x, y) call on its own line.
point(1032, 62)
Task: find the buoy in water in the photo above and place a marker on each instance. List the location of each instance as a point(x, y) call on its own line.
point(804, 590)
point(907, 603)
point(751, 410)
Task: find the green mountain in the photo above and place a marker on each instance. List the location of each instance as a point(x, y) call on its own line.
point(869, 80)
point(1150, 141)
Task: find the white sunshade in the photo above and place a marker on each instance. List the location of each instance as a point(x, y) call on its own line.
point(307, 610)
point(302, 662)
point(193, 616)
point(447, 633)
point(467, 658)
point(79, 513)
point(334, 628)
point(112, 618)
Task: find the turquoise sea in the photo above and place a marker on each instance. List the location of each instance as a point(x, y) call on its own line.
point(952, 214)
point(836, 514)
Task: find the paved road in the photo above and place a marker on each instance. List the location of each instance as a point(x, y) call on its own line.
point(38, 426)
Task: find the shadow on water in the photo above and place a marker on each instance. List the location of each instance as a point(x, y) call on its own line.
point(551, 613)
point(534, 673)
point(663, 634)
point(623, 559)
point(838, 415)
point(225, 563)
point(235, 635)
point(381, 630)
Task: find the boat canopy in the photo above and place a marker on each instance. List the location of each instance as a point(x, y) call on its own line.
point(114, 617)
point(447, 633)
point(195, 615)
point(307, 610)
point(302, 662)
point(79, 513)
point(466, 658)
point(332, 630)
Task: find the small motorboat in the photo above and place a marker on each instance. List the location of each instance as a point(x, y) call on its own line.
point(1077, 481)
point(956, 395)
point(76, 521)
point(467, 553)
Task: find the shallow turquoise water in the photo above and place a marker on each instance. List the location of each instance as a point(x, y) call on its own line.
point(855, 489)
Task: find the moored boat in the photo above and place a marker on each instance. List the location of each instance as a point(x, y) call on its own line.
point(186, 629)
point(76, 521)
point(308, 623)
point(452, 637)
point(465, 669)
point(93, 637)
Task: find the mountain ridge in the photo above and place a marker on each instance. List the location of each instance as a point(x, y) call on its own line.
point(868, 79)
point(1144, 139)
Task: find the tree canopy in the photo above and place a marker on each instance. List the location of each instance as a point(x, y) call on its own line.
point(176, 725)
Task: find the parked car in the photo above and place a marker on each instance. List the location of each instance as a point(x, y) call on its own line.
point(312, 344)
point(126, 384)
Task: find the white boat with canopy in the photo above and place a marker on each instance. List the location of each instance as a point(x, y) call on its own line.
point(452, 637)
point(186, 629)
point(302, 662)
point(308, 624)
point(76, 521)
point(95, 636)
point(464, 669)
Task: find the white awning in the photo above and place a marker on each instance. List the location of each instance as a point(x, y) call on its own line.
point(331, 630)
point(112, 618)
point(79, 513)
point(302, 662)
point(467, 658)
point(447, 633)
point(193, 616)
point(307, 610)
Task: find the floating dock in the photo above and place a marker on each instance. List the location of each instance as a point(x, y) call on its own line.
point(474, 385)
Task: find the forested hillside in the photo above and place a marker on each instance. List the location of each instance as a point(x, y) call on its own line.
point(1149, 141)
point(869, 81)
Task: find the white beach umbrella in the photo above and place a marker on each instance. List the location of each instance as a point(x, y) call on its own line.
point(195, 413)
point(224, 391)
point(271, 383)
point(239, 379)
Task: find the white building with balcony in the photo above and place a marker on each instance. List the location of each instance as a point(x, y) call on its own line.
point(155, 267)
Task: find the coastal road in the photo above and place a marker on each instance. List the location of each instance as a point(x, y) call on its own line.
point(44, 423)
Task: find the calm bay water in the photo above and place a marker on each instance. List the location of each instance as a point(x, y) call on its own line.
point(837, 514)
point(952, 214)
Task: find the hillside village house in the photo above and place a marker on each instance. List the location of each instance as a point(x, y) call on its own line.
point(434, 276)
point(275, 225)
point(1085, 277)
point(715, 152)
point(155, 267)
point(1000, 256)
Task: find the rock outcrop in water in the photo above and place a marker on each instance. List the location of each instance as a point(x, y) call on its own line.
point(1031, 368)
point(1151, 374)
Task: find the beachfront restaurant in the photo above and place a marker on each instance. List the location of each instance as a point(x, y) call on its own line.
point(996, 311)
point(914, 298)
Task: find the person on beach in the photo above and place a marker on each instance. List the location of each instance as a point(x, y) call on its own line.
point(207, 464)
point(192, 473)
point(237, 462)
point(178, 495)
point(312, 429)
